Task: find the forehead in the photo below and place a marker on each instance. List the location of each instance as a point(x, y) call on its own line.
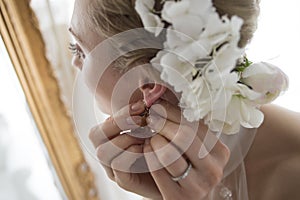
point(81, 25)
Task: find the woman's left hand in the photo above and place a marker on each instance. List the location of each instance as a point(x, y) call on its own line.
point(177, 145)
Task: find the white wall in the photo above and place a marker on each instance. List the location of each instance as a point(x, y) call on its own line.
point(277, 41)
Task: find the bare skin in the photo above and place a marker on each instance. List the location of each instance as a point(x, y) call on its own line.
point(157, 183)
point(273, 162)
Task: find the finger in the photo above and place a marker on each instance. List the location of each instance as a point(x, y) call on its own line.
point(183, 137)
point(108, 151)
point(121, 121)
point(123, 177)
point(211, 141)
point(132, 181)
point(203, 176)
point(207, 165)
point(167, 154)
point(219, 151)
point(161, 177)
point(167, 111)
point(125, 160)
point(171, 159)
point(109, 172)
point(186, 139)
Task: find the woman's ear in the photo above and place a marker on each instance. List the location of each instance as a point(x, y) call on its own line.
point(152, 92)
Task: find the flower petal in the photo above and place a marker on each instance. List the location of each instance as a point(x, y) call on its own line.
point(152, 23)
point(173, 10)
point(190, 25)
point(251, 117)
point(144, 6)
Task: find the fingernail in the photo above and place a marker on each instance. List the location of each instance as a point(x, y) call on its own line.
point(137, 106)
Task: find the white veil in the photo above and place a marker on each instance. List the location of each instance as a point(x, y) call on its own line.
point(234, 183)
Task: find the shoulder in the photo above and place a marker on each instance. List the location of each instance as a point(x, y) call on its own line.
point(279, 135)
point(277, 117)
point(280, 129)
point(273, 162)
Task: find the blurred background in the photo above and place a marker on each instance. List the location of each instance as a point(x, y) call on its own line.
point(25, 170)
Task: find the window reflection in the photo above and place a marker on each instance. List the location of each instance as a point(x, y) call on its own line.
point(26, 172)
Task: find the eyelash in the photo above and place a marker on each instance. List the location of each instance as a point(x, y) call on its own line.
point(76, 51)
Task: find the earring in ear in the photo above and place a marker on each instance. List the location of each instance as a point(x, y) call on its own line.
point(146, 112)
point(144, 131)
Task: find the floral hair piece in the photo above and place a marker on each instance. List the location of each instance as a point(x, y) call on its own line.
point(201, 59)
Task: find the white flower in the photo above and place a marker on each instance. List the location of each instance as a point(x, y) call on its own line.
point(192, 51)
point(246, 92)
point(157, 59)
point(227, 56)
point(222, 89)
point(210, 92)
point(266, 79)
point(249, 115)
point(176, 39)
point(144, 6)
point(196, 100)
point(174, 9)
point(239, 112)
point(175, 72)
point(200, 7)
point(199, 57)
point(185, 16)
point(151, 22)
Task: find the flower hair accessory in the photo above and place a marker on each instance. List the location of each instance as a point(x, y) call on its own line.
point(201, 59)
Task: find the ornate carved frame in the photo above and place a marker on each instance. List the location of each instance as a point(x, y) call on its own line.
point(23, 40)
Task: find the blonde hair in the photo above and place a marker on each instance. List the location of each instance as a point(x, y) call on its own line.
point(110, 17)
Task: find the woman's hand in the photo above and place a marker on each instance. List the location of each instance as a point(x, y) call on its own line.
point(119, 153)
point(177, 145)
point(113, 150)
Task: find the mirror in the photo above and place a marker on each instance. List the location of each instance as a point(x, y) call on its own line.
point(55, 142)
point(25, 167)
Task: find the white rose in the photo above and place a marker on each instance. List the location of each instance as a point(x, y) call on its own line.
point(266, 79)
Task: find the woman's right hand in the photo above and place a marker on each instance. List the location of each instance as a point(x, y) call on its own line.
point(118, 153)
point(185, 159)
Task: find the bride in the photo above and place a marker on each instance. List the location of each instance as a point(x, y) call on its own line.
point(189, 113)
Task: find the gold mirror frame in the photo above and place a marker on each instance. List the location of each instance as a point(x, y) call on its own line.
point(22, 37)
